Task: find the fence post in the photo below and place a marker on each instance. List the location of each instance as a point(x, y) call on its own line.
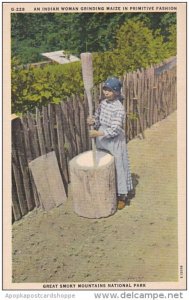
point(40, 132)
point(62, 155)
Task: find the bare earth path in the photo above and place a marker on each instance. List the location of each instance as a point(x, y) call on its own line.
point(138, 243)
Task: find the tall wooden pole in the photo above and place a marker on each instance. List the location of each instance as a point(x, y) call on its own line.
point(87, 72)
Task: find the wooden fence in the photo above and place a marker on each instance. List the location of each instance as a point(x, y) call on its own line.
point(150, 96)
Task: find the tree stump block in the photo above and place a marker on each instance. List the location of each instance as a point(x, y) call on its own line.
point(93, 187)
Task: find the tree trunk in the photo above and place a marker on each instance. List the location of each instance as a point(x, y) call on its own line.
point(93, 188)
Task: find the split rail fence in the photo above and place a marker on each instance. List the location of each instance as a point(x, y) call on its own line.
point(150, 96)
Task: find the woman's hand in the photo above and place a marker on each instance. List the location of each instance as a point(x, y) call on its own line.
point(90, 120)
point(94, 133)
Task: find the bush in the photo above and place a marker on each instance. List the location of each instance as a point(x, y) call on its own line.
point(35, 87)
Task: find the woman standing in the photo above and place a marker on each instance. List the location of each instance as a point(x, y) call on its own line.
point(109, 131)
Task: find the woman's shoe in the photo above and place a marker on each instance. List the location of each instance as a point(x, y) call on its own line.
point(121, 204)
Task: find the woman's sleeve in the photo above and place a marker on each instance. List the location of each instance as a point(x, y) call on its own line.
point(117, 123)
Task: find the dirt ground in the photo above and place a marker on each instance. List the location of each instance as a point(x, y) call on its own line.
point(138, 243)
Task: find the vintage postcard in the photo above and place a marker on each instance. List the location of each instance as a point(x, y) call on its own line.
point(94, 146)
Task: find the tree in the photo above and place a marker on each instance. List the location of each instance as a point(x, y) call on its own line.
point(172, 40)
point(138, 47)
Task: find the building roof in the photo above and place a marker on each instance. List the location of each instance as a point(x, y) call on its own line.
point(61, 57)
point(14, 116)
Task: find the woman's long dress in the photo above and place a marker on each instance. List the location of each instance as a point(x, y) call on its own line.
point(110, 118)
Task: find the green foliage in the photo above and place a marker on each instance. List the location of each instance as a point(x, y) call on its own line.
point(104, 65)
point(33, 33)
point(139, 46)
point(21, 80)
point(172, 40)
point(136, 46)
point(35, 87)
point(133, 116)
point(167, 21)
